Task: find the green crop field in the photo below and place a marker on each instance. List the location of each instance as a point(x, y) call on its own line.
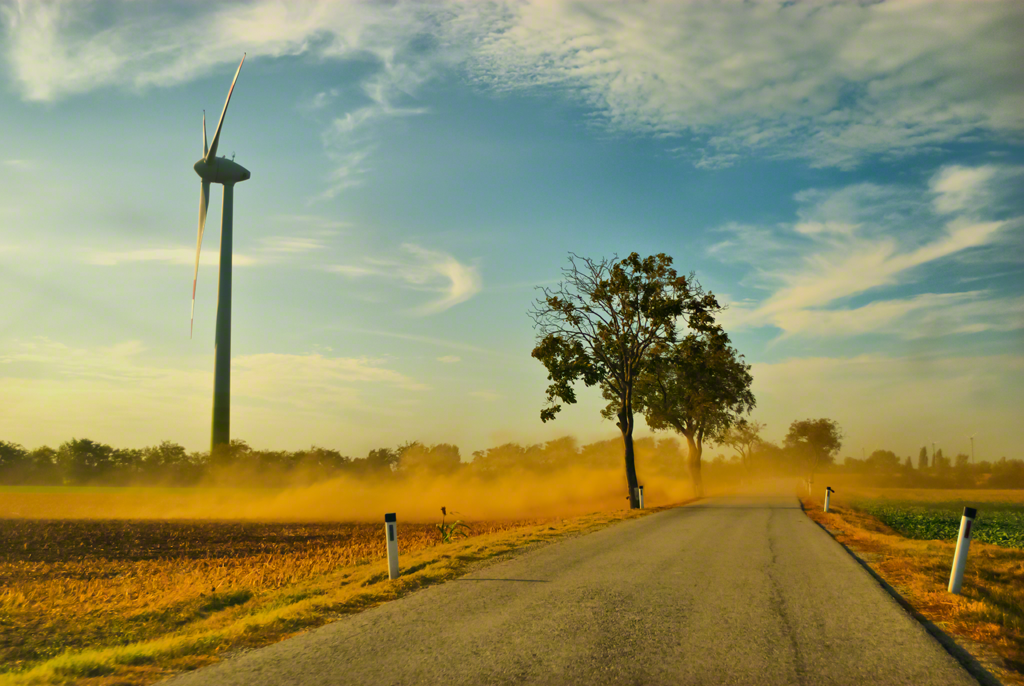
point(997, 523)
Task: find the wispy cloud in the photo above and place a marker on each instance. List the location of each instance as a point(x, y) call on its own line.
point(960, 188)
point(20, 163)
point(176, 256)
point(426, 340)
point(426, 270)
point(267, 375)
point(928, 314)
point(127, 386)
point(321, 225)
point(861, 240)
point(290, 244)
point(449, 359)
point(830, 83)
point(349, 168)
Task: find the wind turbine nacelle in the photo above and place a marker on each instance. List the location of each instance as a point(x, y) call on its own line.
point(221, 170)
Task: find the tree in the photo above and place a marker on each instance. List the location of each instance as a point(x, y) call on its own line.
point(744, 437)
point(319, 463)
point(165, 462)
point(604, 323)
point(84, 460)
point(700, 387)
point(922, 458)
point(236, 454)
point(43, 466)
point(819, 439)
point(421, 460)
point(382, 460)
point(14, 462)
point(882, 461)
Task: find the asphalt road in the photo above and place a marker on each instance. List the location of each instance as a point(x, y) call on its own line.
point(742, 590)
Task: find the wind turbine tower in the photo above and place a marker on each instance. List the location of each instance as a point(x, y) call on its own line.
point(213, 169)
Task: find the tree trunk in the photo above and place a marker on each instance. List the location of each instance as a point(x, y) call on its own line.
point(626, 426)
point(694, 451)
point(814, 467)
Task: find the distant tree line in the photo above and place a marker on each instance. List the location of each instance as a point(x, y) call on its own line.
point(87, 462)
point(884, 467)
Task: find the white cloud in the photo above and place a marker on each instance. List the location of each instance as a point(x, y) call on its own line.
point(929, 314)
point(348, 172)
point(321, 99)
point(459, 282)
point(175, 256)
point(354, 271)
point(449, 359)
point(290, 244)
point(712, 161)
point(486, 396)
point(858, 266)
point(428, 270)
point(859, 240)
point(989, 188)
point(324, 226)
point(959, 188)
point(830, 83)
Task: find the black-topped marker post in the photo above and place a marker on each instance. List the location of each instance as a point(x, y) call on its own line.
point(828, 492)
point(640, 496)
point(391, 534)
point(963, 542)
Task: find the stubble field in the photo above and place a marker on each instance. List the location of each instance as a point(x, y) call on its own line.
point(131, 600)
point(73, 584)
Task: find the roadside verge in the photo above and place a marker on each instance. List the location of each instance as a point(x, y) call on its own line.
point(978, 628)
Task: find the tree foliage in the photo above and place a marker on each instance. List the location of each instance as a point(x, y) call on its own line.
point(417, 459)
point(603, 324)
point(744, 437)
point(819, 439)
point(700, 387)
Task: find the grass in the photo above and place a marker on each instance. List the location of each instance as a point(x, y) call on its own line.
point(905, 539)
point(129, 602)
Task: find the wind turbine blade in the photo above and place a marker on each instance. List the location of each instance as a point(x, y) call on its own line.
point(204, 202)
point(206, 148)
point(216, 135)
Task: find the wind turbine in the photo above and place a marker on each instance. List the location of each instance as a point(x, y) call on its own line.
point(972, 446)
point(213, 169)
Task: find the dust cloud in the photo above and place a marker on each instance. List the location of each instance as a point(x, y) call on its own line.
point(557, 479)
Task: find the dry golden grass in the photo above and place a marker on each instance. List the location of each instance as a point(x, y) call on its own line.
point(988, 616)
point(68, 583)
point(129, 602)
point(848, 488)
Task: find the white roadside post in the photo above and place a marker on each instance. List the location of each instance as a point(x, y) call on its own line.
point(828, 493)
point(391, 533)
point(640, 496)
point(956, 578)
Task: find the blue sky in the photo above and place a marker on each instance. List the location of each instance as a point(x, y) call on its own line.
point(846, 176)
